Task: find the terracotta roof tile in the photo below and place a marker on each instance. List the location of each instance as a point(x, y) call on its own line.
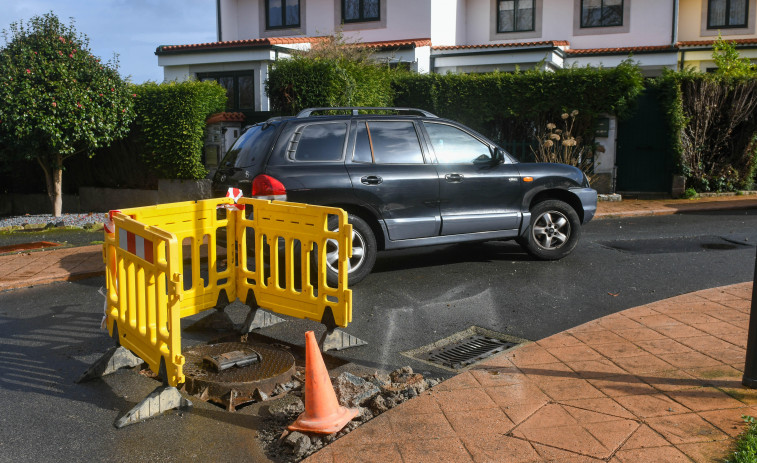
point(554, 43)
point(709, 43)
point(397, 43)
point(267, 42)
point(225, 117)
point(618, 50)
point(239, 43)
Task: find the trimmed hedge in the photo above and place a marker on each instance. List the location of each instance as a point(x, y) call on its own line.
point(171, 122)
point(301, 82)
point(494, 103)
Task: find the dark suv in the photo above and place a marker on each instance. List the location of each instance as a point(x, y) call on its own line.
point(408, 178)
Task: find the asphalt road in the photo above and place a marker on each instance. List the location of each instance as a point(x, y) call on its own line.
point(50, 334)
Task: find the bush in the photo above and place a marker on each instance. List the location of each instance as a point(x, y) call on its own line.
point(713, 117)
point(171, 123)
point(303, 82)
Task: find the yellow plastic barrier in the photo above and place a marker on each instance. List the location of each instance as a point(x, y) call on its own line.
point(293, 228)
point(165, 262)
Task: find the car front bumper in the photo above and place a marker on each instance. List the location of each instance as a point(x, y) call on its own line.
point(588, 198)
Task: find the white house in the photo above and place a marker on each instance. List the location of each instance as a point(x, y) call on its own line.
point(466, 36)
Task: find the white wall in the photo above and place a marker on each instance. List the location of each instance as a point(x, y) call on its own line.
point(650, 23)
point(447, 22)
point(405, 20)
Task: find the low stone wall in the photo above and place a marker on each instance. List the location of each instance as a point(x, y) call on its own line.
point(91, 199)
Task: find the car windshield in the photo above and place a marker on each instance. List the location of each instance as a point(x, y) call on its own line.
point(251, 146)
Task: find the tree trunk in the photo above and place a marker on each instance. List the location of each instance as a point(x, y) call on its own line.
point(54, 182)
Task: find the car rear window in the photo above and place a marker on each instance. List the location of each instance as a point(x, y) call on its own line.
point(387, 142)
point(319, 142)
point(251, 146)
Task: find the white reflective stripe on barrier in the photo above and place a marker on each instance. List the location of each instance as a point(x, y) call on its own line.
point(135, 244)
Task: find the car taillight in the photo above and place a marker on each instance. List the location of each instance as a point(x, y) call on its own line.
point(267, 187)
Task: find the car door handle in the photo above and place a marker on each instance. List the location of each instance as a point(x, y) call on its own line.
point(454, 178)
point(371, 180)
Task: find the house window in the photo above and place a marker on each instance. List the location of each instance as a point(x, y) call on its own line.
point(282, 14)
point(601, 13)
point(240, 88)
point(723, 14)
point(360, 10)
point(515, 15)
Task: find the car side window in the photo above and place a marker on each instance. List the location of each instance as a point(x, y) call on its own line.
point(387, 142)
point(454, 146)
point(318, 142)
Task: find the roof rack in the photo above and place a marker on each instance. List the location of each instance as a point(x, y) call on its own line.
point(356, 109)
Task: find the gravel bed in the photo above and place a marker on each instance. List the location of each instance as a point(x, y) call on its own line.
point(69, 220)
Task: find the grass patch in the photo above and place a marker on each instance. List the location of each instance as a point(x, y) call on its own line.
point(746, 445)
point(97, 242)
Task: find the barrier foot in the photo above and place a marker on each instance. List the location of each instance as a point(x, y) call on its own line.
point(160, 400)
point(111, 361)
point(258, 318)
point(339, 340)
point(216, 321)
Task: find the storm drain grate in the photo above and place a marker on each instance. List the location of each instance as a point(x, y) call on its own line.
point(467, 351)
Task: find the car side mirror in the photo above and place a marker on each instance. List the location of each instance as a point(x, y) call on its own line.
point(498, 156)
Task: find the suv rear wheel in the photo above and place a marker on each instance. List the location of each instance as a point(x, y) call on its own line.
point(554, 230)
point(363, 252)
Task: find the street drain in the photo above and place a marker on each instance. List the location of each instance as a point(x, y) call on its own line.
point(467, 351)
point(463, 349)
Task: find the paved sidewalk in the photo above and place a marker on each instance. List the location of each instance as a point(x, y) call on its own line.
point(656, 383)
point(32, 268)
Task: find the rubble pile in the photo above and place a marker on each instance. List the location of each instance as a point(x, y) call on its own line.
point(371, 394)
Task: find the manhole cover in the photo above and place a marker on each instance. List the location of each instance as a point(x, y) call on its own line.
point(463, 349)
point(674, 245)
point(235, 386)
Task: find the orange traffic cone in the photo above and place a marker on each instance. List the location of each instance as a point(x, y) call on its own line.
point(323, 414)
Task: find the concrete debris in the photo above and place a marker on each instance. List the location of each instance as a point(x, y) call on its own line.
point(353, 391)
point(372, 394)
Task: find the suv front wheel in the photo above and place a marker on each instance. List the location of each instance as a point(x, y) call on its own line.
point(554, 230)
point(363, 252)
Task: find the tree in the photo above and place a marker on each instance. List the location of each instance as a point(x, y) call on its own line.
point(57, 99)
point(729, 62)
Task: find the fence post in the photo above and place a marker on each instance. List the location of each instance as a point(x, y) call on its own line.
point(750, 366)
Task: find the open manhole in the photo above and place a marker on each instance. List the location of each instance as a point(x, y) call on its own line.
point(464, 349)
point(228, 373)
point(674, 245)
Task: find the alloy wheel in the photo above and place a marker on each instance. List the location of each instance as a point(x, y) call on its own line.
point(354, 262)
point(551, 230)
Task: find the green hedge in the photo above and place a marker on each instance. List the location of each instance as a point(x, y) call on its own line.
point(171, 123)
point(494, 103)
point(300, 82)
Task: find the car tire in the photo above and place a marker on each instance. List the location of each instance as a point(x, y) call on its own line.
point(554, 230)
point(363, 252)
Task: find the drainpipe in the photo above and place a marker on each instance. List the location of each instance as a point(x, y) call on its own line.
point(218, 20)
point(674, 32)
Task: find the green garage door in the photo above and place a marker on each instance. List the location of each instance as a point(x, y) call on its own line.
point(642, 157)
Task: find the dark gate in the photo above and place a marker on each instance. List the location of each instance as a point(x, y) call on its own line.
point(642, 157)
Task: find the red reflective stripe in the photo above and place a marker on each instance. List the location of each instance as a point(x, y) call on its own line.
point(148, 251)
point(131, 244)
